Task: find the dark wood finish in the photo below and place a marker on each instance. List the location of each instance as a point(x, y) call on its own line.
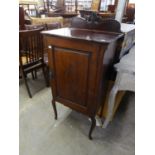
point(111, 8)
point(51, 26)
point(21, 19)
point(79, 60)
point(86, 13)
point(96, 24)
point(92, 127)
point(30, 53)
point(28, 21)
point(123, 44)
point(54, 108)
point(130, 13)
point(64, 15)
point(104, 15)
point(109, 25)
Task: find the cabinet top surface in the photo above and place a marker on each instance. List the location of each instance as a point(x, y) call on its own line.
point(84, 34)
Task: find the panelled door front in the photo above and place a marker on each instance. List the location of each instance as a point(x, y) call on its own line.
point(74, 76)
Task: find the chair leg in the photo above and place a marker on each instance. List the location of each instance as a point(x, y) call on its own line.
point(35, 74)
point(27, 87)
point(25, 81)
point(111, 103)
point(46, 75)
point(32, 75)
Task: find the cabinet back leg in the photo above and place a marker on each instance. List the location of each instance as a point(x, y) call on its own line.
point(55, 109)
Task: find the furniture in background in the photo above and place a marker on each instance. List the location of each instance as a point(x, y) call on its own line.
point(35, 26)
point(21, 19)
point(79, 60)
point(67, 17)
point(54, 6)
point(64, 15)
point(111, 8)
point(130, 13)
point(47, 20)
point(49, 26)
point(30, 7)
point(94, 22)
point(125, 81)
point(107, 15)
point(104, 15)
point(31, 54)
point(86, 13)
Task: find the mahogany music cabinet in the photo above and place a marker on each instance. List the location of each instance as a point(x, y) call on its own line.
point(79, 60)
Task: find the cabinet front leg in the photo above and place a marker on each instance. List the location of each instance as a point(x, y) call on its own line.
point(92, 127)
point(54, 108)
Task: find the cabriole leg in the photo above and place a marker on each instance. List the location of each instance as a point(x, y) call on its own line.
point(92, 127)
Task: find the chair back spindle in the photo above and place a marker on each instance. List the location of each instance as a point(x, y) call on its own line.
point(31, 53)
point(31, 47)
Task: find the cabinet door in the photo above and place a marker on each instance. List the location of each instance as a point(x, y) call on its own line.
point(76, 74)
point(71, 70)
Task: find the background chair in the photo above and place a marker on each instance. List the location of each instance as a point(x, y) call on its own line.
point(125, 80)
point(31, 54)
point(48, 26)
